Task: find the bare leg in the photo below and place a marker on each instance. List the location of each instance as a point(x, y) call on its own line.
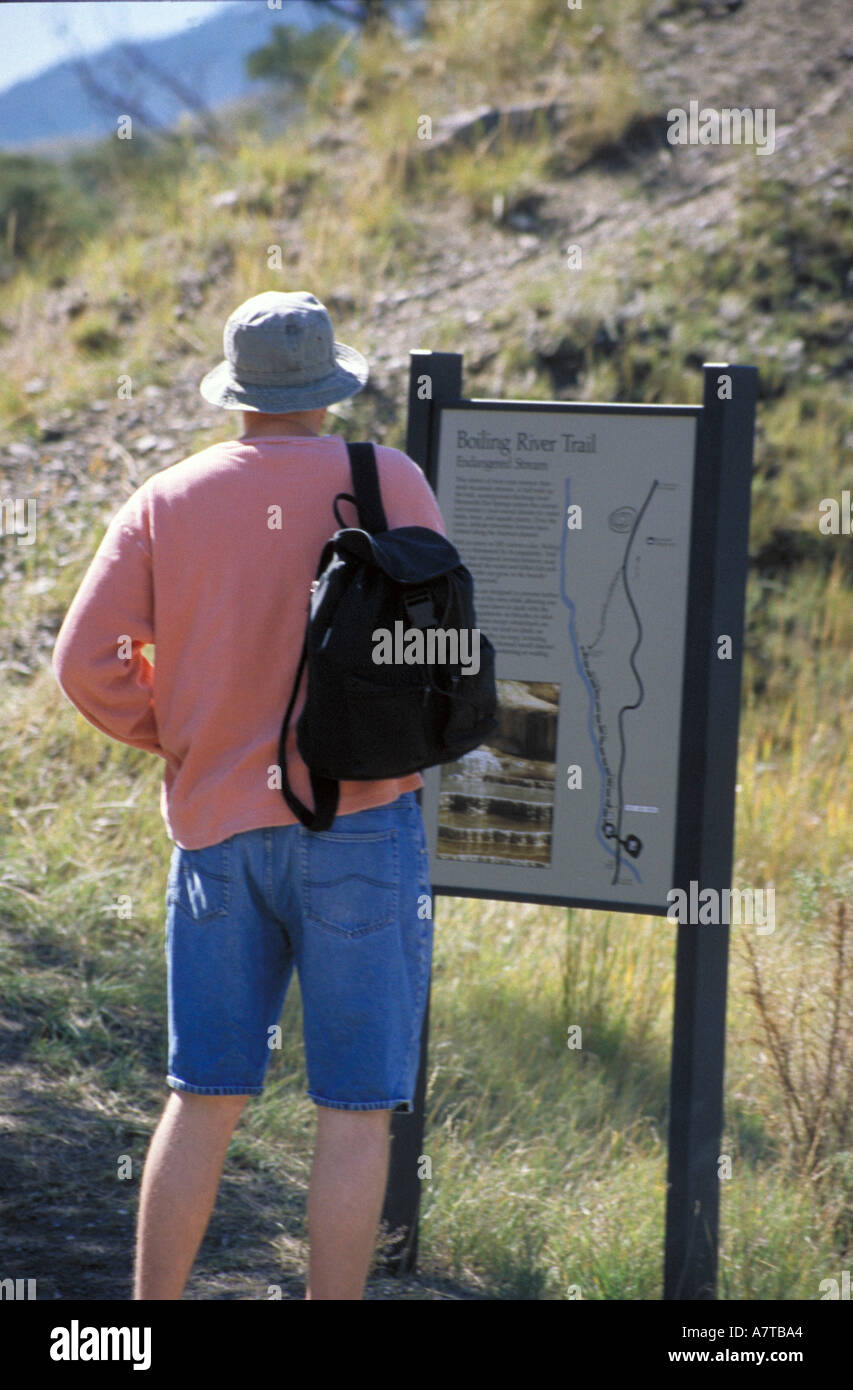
point(179, 1187)
point(348, 1178)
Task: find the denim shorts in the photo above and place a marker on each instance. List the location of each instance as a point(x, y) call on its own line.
point(350, 908)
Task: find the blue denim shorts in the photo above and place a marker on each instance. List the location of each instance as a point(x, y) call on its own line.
point(350, 908)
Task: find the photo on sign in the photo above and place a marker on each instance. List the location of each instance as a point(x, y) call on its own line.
point(496, 804)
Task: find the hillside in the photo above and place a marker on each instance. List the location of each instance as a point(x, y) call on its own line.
point(689, 253)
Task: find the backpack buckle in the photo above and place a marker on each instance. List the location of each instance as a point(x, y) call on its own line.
point(420, 608)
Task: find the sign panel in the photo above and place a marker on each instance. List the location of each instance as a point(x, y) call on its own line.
point(575, 522)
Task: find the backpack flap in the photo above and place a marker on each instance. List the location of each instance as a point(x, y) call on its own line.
point(408, 554)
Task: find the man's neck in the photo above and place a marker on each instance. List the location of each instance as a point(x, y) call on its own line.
point(279, 432)
point(301, 425)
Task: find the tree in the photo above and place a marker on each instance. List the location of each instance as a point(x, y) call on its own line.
point(291, 56)
point(369, 14)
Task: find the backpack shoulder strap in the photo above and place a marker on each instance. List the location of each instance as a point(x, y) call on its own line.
point(324, 790)
point(365, 478)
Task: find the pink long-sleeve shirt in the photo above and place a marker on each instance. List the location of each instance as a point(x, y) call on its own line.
point(211, 561)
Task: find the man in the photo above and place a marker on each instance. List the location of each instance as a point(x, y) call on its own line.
point(211, 561)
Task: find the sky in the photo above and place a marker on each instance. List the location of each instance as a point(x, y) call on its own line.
point(35, 35)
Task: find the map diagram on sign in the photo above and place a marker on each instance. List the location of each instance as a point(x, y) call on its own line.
point(576, 526)
point(611, 567)
point(606, 662)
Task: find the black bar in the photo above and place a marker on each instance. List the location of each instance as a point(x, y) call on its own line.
point(718, 568)
point(439, 374)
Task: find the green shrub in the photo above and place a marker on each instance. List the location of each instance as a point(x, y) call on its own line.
point(42, 208)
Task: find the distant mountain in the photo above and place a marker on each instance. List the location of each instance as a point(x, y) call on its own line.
point(43, 113)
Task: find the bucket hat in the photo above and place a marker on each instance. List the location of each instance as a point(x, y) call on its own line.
point(281, 355)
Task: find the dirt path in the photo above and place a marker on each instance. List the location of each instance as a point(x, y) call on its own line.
point(68, 1221)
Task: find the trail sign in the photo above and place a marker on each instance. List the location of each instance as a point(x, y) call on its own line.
point(608, 546)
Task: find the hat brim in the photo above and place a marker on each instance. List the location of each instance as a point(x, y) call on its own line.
point(220, 387)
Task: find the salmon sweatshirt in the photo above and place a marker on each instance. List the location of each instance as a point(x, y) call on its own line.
point(211, 560)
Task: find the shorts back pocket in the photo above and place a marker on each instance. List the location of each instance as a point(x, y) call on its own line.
point(350, 882)
point(200, 882)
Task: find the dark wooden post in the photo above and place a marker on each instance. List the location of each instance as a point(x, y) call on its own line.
point(719, 558)
point(433, 377)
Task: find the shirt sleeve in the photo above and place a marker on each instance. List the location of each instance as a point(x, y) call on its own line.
point(97, 658)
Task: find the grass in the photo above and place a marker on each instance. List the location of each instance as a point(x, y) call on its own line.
point(548, 1162)
point(562, 1142)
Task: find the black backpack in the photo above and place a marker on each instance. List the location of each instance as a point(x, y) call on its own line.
point(366, 717)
